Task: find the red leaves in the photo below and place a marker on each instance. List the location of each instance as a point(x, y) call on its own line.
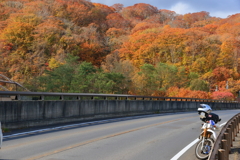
point(33, 32)
point(221, 73)
point(223, 95)
point(139, 11)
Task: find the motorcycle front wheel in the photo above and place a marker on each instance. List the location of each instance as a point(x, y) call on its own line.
point(203, 148)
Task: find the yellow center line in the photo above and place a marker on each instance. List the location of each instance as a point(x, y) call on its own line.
point(101, 138)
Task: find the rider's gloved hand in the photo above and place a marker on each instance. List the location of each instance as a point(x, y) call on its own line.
point(217, 126)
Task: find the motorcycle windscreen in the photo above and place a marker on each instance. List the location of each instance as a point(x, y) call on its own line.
point(212, 122)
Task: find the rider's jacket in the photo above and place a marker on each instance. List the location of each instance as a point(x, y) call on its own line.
point(210, 116)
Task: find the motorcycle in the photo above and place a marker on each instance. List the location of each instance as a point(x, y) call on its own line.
point(207, 138)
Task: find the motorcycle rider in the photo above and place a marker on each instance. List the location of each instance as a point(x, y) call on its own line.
point(205, 114)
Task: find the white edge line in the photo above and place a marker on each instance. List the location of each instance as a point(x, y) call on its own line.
point(179, 154)
point(184, 149)
point(223, 124)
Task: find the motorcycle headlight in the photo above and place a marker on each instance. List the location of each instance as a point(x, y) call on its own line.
point(202, 115)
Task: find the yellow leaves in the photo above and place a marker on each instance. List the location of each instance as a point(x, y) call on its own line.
point(200, 65)
point(227, 47)
point(18, 33)
point(223, 28)
point(53, 63)
point(114, 32)
point(144, 25)
point(172, 91)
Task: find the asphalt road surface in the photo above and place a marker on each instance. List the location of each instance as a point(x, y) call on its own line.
point(152, 137)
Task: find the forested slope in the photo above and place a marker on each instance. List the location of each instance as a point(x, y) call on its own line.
point(80, 46)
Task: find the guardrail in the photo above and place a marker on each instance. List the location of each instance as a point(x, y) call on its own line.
point(92, 96)
point(43, 108)
point(224, 141)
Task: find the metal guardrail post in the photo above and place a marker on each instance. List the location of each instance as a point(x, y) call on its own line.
point(237, 124)
point(231, 131)
point(225, 147)
point(236, 119)
point(221, 154)
point(235, 127)
point(227, 137)
point(230, 138)
point(18, 97)
point(224, 141)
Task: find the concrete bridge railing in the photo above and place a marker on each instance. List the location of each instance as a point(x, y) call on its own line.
point(29, 109)
point(224, 141)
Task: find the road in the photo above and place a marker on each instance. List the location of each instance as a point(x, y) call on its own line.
point(152, 137)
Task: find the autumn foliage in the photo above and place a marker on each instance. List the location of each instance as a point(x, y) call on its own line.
point(152, 51)
point(221, 95)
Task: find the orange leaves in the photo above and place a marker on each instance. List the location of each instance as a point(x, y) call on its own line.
point(138, 44)
point(33, 33)
point(144, 10)
point(187, 93)
point(104, 8)
point(50, 25)
point(191, 18)
point(139, 11)
point(114, 32)
point(144, 25)
point(115, 20)
point(78, 11)
point(167, 15)
point(211, 28)
point(223, 95)
point(91, 53)
point(37, 7)
point(199, 94)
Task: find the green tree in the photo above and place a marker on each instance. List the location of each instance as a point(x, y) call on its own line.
point(199, 85)
point(167, 75)
point(154, 80)
point(146, 79)
point(108, 83)
point(84, 78)
point(60, 79)
point(89, 79)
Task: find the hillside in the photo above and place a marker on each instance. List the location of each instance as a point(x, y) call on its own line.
point(79, 46)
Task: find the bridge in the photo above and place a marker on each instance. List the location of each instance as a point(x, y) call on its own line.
point(102, 126)
point(27, 109)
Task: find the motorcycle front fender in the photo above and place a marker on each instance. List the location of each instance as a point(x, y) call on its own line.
point(209, 130)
